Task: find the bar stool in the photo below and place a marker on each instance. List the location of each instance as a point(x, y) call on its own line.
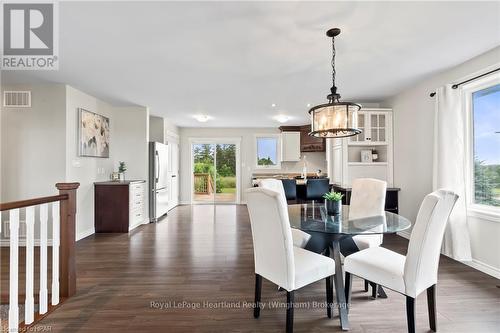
point(316, 188)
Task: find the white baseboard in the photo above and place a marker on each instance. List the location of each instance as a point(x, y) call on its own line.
point(485, 268)
point(405, 234)
point(474, 263)
point(85, 233)
point(132, 227)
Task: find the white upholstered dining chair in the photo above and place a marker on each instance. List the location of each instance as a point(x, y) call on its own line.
point(300, 238)
point(367, 199)
point(409, 275)
point(275, 256)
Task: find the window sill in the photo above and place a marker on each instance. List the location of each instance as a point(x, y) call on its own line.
point(484, 213)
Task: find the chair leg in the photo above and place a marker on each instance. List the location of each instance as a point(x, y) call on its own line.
point(329, 296)
point(431, 305)
point(381, 292)
point(348, 288)
point(374, 290)
point(289, 311)
point(366, 285)
point(258, 290)
point(410, 313)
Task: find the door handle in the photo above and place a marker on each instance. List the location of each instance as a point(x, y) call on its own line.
point(173, 176)
point(157, 167)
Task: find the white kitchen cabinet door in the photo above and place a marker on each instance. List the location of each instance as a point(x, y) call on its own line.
point(290, 146)
point(361, 137)
point(375, 127)
point(173, 174)
point(378, 127)
point(337, 165)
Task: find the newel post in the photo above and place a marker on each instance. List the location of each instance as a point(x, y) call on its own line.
point(67, 265)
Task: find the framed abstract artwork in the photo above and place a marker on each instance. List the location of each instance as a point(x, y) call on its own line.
point(93, 135)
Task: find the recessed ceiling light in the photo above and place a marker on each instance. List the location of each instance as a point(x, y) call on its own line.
point(202, 118)
point(273, 105)
point(282, 118)
point(308, 105)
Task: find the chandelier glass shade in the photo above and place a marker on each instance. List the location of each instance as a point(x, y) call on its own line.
point(335, 119)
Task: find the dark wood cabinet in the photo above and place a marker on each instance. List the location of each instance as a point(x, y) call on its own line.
point(391, 197)
point(118, 206)
point(307, 143)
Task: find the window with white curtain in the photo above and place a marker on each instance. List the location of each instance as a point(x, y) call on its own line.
point(482, 103)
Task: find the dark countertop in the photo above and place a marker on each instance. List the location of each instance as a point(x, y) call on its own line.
point(121, 182)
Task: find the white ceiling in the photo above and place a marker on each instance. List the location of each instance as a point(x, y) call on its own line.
point(232, 60)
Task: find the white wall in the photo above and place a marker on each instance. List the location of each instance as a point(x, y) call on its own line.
point(40, 147)
point(413, 141)
point(33, 144)
point(85, 169)
point(247, 155)
point(131, 134)
point(128, 142)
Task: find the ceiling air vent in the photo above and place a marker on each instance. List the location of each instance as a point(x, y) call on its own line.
point(17, 99)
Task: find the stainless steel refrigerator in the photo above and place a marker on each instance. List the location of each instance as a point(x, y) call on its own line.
point(158, 181)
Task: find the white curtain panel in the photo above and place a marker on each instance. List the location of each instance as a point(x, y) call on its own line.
point(449, 167)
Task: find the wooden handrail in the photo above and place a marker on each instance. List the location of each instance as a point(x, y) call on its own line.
point(67, 267)
point(32, 202)
point(63, 250)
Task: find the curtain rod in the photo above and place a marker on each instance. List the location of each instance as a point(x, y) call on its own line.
point(455, 86)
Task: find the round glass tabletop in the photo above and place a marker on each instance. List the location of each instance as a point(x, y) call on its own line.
point(313, 217)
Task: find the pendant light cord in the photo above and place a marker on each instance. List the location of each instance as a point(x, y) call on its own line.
point(334, 96)
point(334, 72)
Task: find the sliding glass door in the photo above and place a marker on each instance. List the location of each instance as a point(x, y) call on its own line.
point(215, 172)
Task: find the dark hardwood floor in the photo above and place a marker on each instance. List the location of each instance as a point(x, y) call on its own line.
point(204, 254)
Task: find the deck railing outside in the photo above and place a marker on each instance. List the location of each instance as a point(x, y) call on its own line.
point(203, 183)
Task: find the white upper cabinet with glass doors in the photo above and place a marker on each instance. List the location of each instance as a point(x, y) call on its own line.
point(375, 126)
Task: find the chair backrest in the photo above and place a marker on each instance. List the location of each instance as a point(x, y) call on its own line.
point(316, 188)
point(422, 259)
point(367, 198)
point(290, 187)
point(274, 185)
point(272, 237)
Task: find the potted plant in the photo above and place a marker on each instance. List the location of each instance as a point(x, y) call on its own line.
point(122, 167)
point(333, 202)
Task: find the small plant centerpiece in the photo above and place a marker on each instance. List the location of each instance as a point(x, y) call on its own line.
point(122, 167)
point(333, 202)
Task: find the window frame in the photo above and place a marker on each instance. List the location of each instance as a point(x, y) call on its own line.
point(278, 150)
point(487, 212)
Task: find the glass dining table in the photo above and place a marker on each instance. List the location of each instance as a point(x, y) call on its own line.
point(328, 231)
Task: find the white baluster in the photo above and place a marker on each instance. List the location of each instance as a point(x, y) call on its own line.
point(14, 262)
point(29, 308)
point(43, 258)
point(55, 253)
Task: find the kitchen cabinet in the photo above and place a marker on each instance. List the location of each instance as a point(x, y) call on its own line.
point(375, 126)
point(310, 143)
point(290, 146)
point(173, 170)
point(119, 206)
point(307, 143)
point(344, 155)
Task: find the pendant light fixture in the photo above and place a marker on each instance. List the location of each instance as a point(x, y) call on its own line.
point(334, 119)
